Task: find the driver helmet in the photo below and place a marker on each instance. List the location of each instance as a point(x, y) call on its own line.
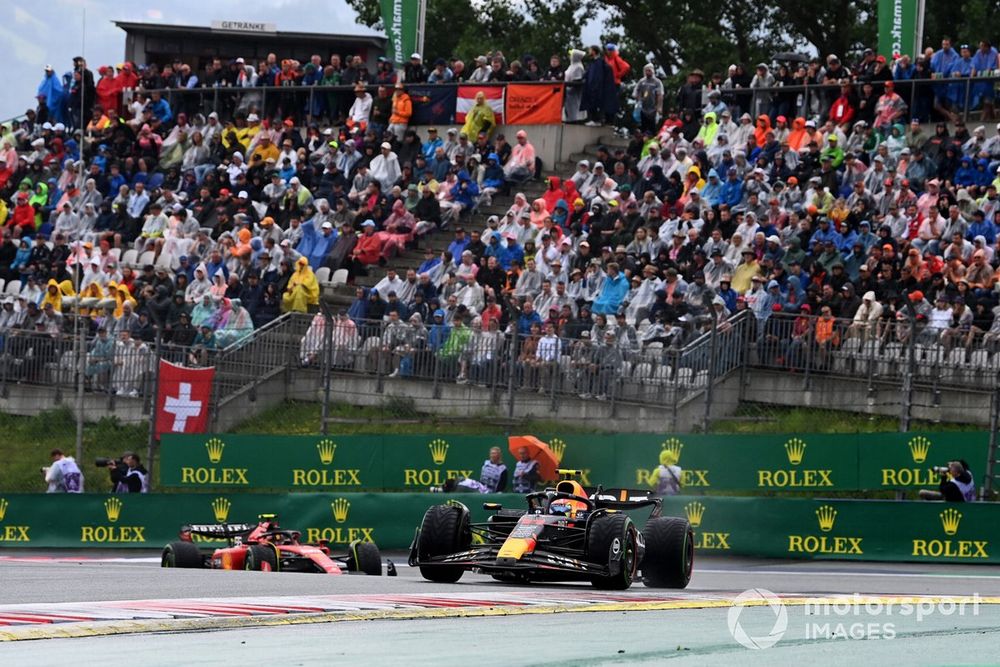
point(567, 506)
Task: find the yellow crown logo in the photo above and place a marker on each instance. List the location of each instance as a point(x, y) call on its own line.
point(675, 446)
point(3, 508)
point(826, 515)
point(949, 521)
point(215, 447)
point(558, 447)
point(326, 449)
point(919, 446)
point(113, 508)
point(340, 507)
point(439, 450)
point(220, 508)
point(694, 511)
point(796, 449)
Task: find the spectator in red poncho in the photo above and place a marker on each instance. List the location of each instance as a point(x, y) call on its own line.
point(126, 77)
point(23, 220)
point(554, 193)
point(763, 127)
point(367, 250)
point(842, 111)
point(108, 90)
point(619, 68)
point(798, 138)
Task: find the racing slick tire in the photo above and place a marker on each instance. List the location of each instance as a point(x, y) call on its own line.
point(182, 554)
point(669, 557)
point(261, 558)
point(364, 557)
point(613, 535)
point(444, 530)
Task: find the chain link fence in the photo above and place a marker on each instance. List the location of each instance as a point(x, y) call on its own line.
point(743, 369)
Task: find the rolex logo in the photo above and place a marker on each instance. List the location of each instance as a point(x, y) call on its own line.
point(949, 521)
point(113, 508)
point(340, 507)
point(439, 450)
point(919, 446)
point(694, 512)
point(3, 508)
point(674, 446)
point(326, 449)
point(214, 448)
point(220, 508)
point(795, 449)
point(826, 515)
point(558, 448)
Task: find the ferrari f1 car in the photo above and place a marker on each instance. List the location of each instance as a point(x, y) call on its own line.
point(563, 535)
point(265, 546)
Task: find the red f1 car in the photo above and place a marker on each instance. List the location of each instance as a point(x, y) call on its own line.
point(266, 547)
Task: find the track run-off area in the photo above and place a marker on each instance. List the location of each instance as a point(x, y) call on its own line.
point(91, 605)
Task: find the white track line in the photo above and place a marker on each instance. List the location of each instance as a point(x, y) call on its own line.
point(843, 573)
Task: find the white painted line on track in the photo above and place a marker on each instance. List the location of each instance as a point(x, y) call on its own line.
point(842, 573)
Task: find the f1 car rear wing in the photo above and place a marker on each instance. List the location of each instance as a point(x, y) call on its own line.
point(626, 499)
point(221, 531)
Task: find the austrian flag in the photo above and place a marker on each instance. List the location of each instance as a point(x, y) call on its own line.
point(182, 399)
point(467, 99)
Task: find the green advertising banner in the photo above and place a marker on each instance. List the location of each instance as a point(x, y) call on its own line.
point(710, 463)
point(843, 529)
point(767, 527)
point(402, 19)
point(150, 521)
point(898, 27)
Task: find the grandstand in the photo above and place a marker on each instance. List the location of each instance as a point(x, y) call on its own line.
point(315, 228)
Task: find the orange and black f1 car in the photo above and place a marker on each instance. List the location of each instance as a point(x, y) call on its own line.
point(565, 534)
point(265, 546)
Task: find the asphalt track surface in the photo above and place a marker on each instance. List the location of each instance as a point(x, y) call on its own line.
point(554, 625)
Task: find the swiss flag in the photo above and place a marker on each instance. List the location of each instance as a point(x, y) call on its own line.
point(182, 399)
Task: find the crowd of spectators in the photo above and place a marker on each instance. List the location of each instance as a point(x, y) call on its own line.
point(800, 209)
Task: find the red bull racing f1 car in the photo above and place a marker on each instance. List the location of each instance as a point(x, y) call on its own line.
point(266, 547)
point(563, 535)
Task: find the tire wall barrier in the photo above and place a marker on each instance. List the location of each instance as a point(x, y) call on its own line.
point(727, 463)
point(770, 527)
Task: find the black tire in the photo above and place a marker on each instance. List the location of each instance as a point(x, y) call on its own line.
point(261, 558)
point(669, 558)
point(182, 554)
point(364, 557)
point(604, 530)
point(444, 530)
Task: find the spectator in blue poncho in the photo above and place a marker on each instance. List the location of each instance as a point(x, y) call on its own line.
point(51, 89)
point(613, 291)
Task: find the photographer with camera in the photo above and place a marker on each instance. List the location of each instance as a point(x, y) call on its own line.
point(63, 476)
point(127, 474)
point(957, 484)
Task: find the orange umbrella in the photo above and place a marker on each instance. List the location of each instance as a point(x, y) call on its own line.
point(538, 451)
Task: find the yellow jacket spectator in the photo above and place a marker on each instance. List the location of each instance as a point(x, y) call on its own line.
point(745, 272)
point(302, 290)
point(479, 119)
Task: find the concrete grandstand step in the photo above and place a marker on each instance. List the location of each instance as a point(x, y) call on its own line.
point(611, 140)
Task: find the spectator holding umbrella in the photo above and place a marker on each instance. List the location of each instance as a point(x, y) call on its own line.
point(525, 472)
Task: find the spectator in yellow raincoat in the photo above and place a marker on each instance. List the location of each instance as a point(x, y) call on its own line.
point(302, 290)
point(54, 293)
point(121, 295)
point(91, 291)
point(479, 119)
